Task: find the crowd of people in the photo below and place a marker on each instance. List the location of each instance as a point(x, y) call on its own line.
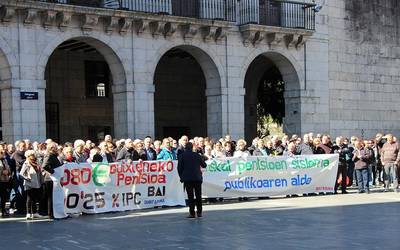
point(26, 167)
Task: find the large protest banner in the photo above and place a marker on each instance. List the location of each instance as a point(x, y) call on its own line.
point(269, 176)
point(101, 187)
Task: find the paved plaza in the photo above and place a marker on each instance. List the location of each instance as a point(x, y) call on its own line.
point(352, 221)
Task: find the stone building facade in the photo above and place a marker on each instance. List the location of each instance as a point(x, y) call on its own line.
point(166, 70)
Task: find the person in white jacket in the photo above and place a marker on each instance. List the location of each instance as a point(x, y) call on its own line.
point(33, 180)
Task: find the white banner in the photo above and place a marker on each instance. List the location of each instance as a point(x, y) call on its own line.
point(270, 176)
point(100, 187)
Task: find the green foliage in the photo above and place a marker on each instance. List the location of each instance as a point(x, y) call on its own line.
point(271, 103)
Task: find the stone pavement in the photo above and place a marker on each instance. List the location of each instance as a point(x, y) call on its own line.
point(352, 221)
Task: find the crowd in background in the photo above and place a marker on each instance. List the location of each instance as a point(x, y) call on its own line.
point(26, 167)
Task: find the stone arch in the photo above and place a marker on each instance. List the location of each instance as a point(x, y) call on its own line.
point(119, 69)
point(204, 55)
point(287, 64)
point(212, 70)
point(291, 74)
point(106, 47)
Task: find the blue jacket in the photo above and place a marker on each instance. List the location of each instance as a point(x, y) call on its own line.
point(166, 154)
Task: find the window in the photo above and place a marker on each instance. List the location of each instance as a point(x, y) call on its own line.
point(97, 78)
point(101, 90)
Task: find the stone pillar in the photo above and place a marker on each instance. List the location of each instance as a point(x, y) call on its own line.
point(214, 113)
point(10, 113)
point(144, 110)
point(234, 111)
point(124, 113)
point(23, 118)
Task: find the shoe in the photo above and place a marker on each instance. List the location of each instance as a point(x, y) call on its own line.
point(386, 190)
point(191, 217)
point(199, 215)
point(344, 192)
point(29, 217)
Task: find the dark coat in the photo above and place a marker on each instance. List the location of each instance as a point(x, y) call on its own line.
point(50, 162)
point(128, 154)
point(345, 154)
point(97, 158)
point(19, 158)
point(278, 150)
point(180, 150)
point(362, 158)
point(142, 155)
point(189, 164)
point(152, 152)
point(323, 149)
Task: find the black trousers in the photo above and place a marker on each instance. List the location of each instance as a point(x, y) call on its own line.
point(47, 201)
point(3, 196)
point(32, 198)
point(342, 170)
point(194, 188)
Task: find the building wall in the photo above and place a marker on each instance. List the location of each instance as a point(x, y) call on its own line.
point(364, 62)
point(133, 56)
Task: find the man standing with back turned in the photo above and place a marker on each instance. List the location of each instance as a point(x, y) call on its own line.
point(189, 164)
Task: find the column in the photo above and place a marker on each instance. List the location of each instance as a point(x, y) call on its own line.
point(124, 121)
point(144, 109)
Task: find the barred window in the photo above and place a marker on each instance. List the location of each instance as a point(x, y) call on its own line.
point(97, 77)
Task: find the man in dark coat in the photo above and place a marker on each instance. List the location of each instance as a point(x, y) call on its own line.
point(151, 154)
point(345, 157)
point(128, 152)
point(189, 164)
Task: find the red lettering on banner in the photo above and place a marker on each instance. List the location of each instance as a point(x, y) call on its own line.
point(143, 178)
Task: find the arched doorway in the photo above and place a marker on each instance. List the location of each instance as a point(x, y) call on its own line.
point(272, 101)
point(79, 77)
point(187, 94)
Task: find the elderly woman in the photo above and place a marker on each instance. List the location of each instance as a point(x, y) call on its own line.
point(79, 151)
point(33, 180)
point(260, 149)
point(68, 155)
point(241, 150)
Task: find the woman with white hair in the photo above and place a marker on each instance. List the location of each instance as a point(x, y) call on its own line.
point(241, 150)
point(79, 151)
point(33, 180)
